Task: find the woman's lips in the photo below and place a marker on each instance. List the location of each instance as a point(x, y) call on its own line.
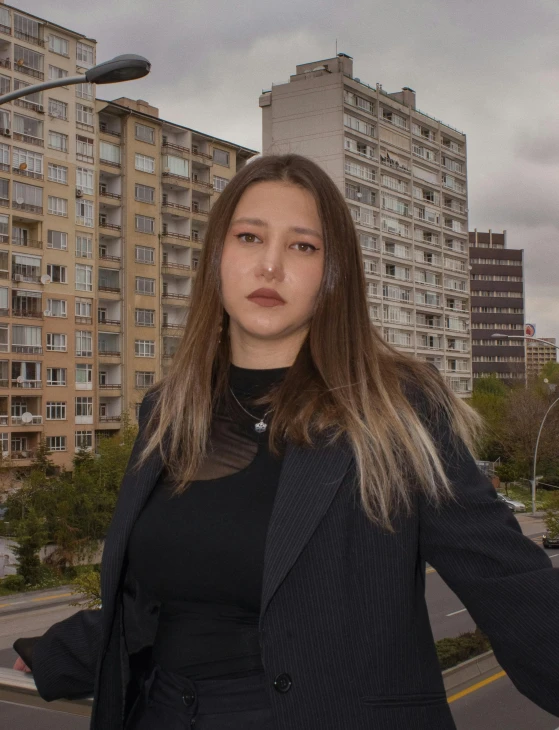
point(266, 298)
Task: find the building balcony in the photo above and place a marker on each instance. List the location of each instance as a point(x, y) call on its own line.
point(18, 421)
point(206, 187)
point(109, 229)
point(174, 181)
point(172, 297)
point(170, 267)
point(200, 213)
point(37, 209)
point(205, 157)
point(29, 349)
point(175, 209)
point(394, 164)
point(28, 173)
point(110, 386)
point(174, 238)
point(172, 329)
point(108, 355)
point(110, 257)
point(109, 163)
point(34, 314)
point(83, 320)
point(108, 198)
point(33, 384)
point(171, 148)
point(29, 242)
point(33, 39)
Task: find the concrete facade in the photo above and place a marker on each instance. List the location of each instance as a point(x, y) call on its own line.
point(403, 174)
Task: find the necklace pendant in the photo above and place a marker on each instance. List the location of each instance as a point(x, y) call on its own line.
point(260, 427)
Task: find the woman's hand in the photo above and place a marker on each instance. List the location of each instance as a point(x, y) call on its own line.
point(21, 666)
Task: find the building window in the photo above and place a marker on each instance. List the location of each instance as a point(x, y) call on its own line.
point(56, 443)
point(58, 141)
point(145, 317)
point(145, 285)
point(56, 342)
point(56, 411)
point(145, 255)
point(144, 193)
point(84, 405)
point(85, 180)
point(27, 28)
point(84, 213)
point(58, 109)
point(84, 54)
point(145, 134)
point(84, 114)
point(26, 339)
point(30, 130)
point(84, 247)
point(56, 376)
point(56, 307)
point(84, 374)
point(84, 91)
point(58, 173)
point(145, 224)
point(84, 148)
point(175, 166)
point(32, 162)
point(58, 240)
point(220, 183)
point(57, 273)
point(84, 277)
point(144, 163)
point(144, 348)
point(109, 153)
point(144, 379)
point(29, 62)
point(57, 206)
point(221, 157)
point(83, 439)
point(58, 45)
point(84, 343)
point(83, 307)
point(57, 73)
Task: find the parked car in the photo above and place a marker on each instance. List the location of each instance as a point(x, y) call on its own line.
point(550, 541)
point(512, 503)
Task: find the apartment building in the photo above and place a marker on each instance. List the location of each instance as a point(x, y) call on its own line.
point(157, 183)
point(538, 354)
point(403, 174)
point(497, 303)
point(103, 208)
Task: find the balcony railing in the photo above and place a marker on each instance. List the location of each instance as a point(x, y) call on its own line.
point(30, 71)
point(175, 147)
point(35, 40)
point(109, 257)
point(35, 421)
point(29, 349)
point(109, 321)
point(170, 295)
point(29, 139)
point(28, 173)
point(106, 194)
point(112, 163)
point(176, 206)
point(109, 419)
point(172, 234)
point(108, 353)
point(27, 207)
point(106, 287)
point(173, 176)
point(112, 226)
point(16, 312)
point(173, 265)
point(110, 386)
point(26, 383)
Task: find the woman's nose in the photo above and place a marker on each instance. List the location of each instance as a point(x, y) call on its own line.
point(271, 265)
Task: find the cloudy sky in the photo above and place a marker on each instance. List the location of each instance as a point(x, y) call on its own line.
point(487, 67)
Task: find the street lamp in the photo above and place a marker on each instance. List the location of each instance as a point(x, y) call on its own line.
point(500, 335)
point(121, 68)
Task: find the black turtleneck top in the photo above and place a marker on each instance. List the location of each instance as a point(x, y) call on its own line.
point(195, 561)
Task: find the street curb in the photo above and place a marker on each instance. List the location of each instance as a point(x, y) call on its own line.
point(466, 671)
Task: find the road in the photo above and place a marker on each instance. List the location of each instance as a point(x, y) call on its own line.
point(489, 702)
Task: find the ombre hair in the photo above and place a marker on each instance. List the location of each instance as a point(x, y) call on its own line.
point(346, 382)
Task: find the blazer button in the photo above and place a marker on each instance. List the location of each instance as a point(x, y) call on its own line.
point(188, 697)
point(282, 683)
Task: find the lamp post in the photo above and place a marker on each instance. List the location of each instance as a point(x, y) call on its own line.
point(501, 335)
point(121, 68)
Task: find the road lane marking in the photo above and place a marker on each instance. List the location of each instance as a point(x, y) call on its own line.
point(50, 598)
point(475, 687)
point(455, 612)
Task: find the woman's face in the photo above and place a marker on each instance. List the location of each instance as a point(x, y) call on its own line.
point(271, 267)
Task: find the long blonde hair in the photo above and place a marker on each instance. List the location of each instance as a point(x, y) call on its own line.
point(346, 381)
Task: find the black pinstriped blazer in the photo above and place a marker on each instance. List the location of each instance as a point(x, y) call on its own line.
point(344, 630)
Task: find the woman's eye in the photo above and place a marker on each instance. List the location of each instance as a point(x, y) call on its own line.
point(247, 237)
point(306, 247)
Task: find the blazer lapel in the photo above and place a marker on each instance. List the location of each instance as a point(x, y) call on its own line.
point(309, 480)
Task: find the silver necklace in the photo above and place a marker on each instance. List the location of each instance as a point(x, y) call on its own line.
point(261, 425)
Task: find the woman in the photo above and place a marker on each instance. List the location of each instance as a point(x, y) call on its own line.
point(293, 473)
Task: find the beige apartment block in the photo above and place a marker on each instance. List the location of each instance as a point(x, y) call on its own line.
point(103, 209)
point(403, 174)
point(538, 354)
point(157, 184)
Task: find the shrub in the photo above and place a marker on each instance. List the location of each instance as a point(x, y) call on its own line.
point(452, 651)
point(13, 583)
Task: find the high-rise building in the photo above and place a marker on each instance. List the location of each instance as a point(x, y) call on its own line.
point(105, 207)
point(497, 301)
point(403, 174)
point(157, 183)
point(539, 354)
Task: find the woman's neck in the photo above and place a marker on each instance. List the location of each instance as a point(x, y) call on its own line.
point(262, 355)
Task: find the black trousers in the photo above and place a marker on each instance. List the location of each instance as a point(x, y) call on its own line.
point(170, 701)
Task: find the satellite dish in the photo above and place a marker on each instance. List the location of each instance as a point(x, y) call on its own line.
point(46, 313)
point(23, 166)
point(45, 279)
point(26, 417)
point(20, 378)
point(20, 201)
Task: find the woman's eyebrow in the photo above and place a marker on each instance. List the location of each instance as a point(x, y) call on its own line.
point(263, 224)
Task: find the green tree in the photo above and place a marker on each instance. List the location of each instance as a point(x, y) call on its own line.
point(31, 536)
point(489, 398)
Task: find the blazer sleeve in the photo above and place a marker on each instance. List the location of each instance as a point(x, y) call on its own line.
point(505, 580)
point(64, 659)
